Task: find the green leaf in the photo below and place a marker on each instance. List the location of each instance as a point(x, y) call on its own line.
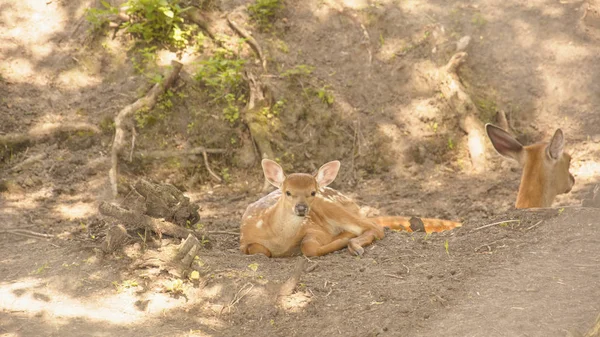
point(253, 266)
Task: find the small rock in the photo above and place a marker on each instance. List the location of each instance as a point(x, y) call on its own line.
point(463, 43)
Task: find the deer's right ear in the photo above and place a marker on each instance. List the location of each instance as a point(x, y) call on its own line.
point(273, 172)
point(327, 173)
point(504, 143)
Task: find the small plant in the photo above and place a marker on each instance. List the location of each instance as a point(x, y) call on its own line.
point(174, 287)
point(225, 174)
point(446, 247)
point(222, 73)
point(253, 266)
point(99, 18)
point(325, 95)
point(450, 144)
point(119, 287)
point(298, 71)
point(158, 21)
point(263, 12)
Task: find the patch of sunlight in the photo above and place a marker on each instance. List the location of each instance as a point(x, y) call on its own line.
point(356, 4)
point(17, 69)
point(554, 12)
point(295, 302)
point(587, 169)
point(75, 77)
point(22, 202)
point(76, 210)
point(117, 309)
point(391, 47)
point(164, 57)
point(565, 51)
point(36, 20)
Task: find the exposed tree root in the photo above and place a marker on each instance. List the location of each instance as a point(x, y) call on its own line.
point(466, 111)
point(290, 285)
point(122, 119)
point(250, 40)
point(141, 221)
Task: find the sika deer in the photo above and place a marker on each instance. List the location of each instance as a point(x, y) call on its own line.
point(545, 167)
point(305, 216)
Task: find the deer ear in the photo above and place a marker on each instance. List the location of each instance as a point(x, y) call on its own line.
point(505, 144)
point(327, 173)
point(273, 172)
point(556, 146)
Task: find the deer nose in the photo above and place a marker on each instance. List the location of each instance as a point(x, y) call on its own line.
point(301, 209)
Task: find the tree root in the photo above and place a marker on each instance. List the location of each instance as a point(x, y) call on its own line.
point(134, 219)
point(466, 110)
point(250, 40)
point(122, 118)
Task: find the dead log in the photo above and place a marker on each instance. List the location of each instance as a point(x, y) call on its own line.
point(455, 94)
point(168, 202)
point(116, 237)
point(131, 218)
point(146, 102)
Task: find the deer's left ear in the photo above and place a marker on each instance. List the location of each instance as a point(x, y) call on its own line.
point(327, 173)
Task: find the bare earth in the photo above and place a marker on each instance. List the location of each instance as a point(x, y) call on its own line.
point(535, 273)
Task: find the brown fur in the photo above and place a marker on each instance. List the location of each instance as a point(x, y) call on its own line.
point(545, 167)
point(271, 227)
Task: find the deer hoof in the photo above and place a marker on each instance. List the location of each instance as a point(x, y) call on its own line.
point(355, 248)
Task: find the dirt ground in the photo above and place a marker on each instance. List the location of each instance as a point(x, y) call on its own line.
point(535, 273)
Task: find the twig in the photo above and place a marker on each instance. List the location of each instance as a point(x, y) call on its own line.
point(493, 224)
point(145, 102)
point(208, 167)
point(251, 41)
point(224, 232)
point(394, 276)
point(177, 153)
point(24, 232)
point(133, 134)
point(407, 270)
point(237, 298)
point(539, 222)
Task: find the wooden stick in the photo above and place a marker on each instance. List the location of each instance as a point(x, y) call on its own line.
point(147, 102)
point(208, 167)
point(495, 223)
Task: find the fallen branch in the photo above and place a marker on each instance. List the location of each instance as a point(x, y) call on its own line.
point(466, 111)
point(27, 233)
point(250, 40)
point(494, 224)
point(143, 221)
point(224, 232)
point(146, 102)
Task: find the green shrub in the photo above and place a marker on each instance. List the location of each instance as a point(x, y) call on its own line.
point(263, 12)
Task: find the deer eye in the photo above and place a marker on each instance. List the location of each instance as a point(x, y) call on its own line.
point(313, 193)
point(288, 193)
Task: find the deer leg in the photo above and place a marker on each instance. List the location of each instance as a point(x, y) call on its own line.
point(257, 248)
point(312, 245)
point(355, 245)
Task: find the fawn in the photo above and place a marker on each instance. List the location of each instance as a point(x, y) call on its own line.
point(545, 167)
point(305, 216)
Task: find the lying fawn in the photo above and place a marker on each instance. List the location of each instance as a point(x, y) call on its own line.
point(545, 167)
point(305, 216)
